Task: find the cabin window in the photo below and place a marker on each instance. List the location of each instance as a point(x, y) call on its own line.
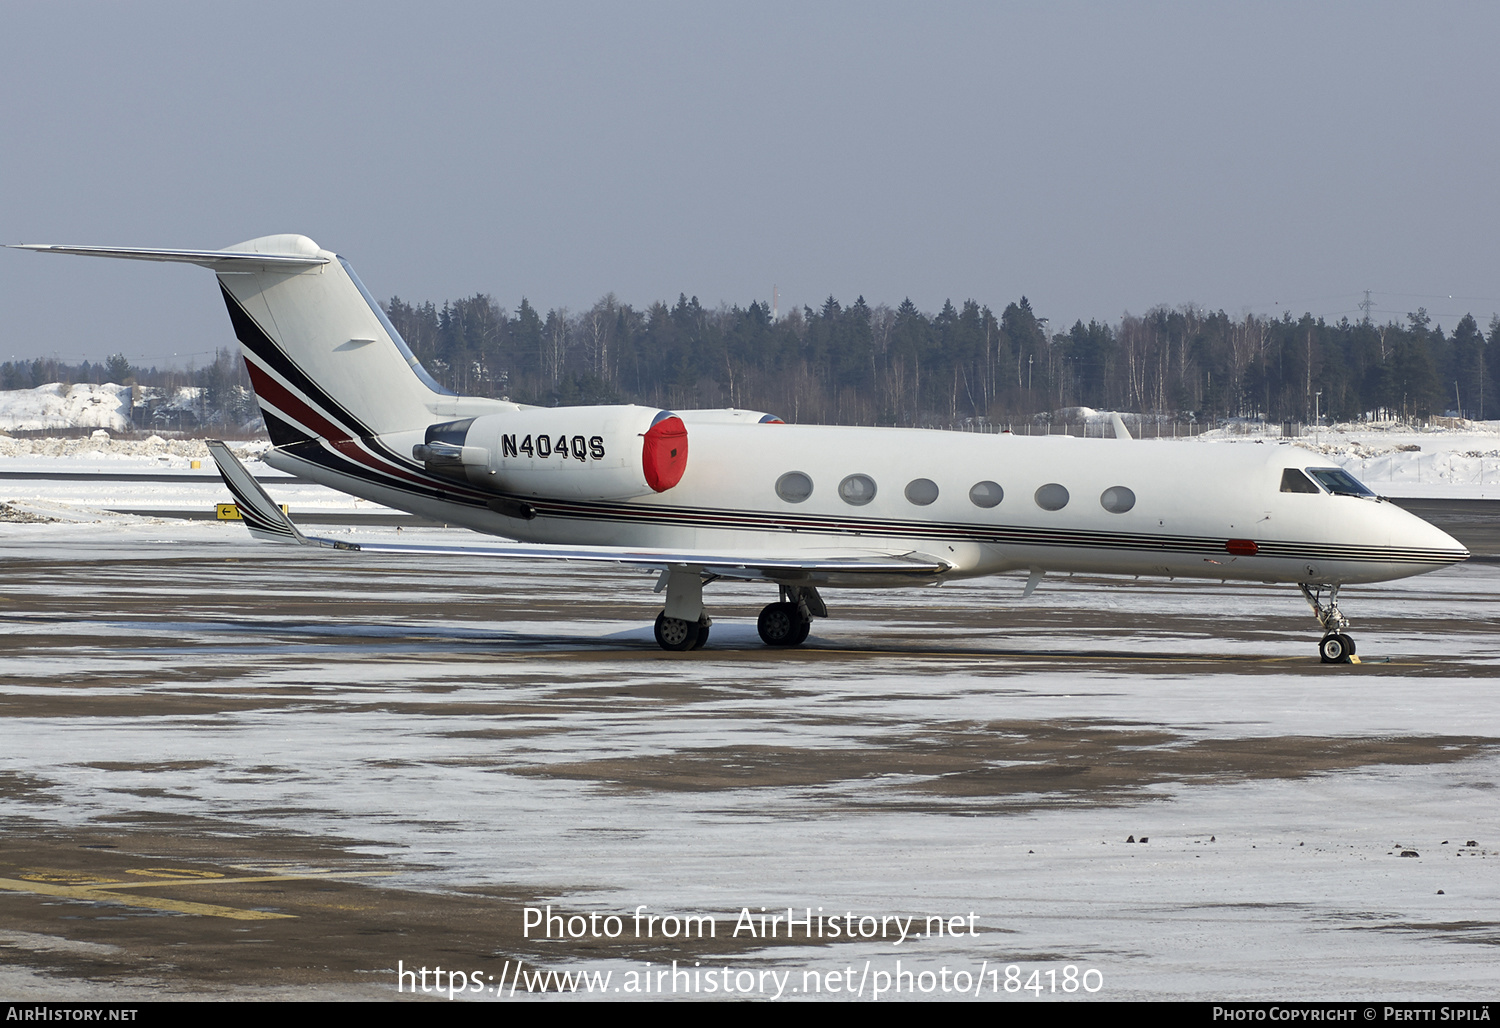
point(1339, 482)
point(794, 487)
point(986, 494)
point(1294, 481)
point(921, 491)
point(857, 490)
point(1052, 497)
point(1117, 499)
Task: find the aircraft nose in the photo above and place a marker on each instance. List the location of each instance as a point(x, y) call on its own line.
point(1414, 533)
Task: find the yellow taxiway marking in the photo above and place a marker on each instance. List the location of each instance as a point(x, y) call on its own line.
point(237, 881)
point(66, 878)
point(169, 872)
point(93, 894)
point(1022, 655)
point(108, 891)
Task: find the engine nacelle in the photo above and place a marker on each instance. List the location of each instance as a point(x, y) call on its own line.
point(727, 416)
point(563, 453)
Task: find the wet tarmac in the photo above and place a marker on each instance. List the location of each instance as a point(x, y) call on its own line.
point(246, 770)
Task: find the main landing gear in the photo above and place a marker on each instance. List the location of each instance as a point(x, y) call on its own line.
point(1337, 647)
point(677, 634)
point(788, 622)
point(782, 624)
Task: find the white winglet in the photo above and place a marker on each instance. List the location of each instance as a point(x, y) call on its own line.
point(259, 512)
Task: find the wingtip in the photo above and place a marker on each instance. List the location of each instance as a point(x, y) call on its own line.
point(262, 515)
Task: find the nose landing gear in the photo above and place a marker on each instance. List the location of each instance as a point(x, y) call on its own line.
point(1336, 647)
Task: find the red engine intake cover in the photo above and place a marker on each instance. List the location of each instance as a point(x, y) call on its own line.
point(664, 453)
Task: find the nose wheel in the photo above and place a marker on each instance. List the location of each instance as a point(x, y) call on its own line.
point(1337, 646)
point(1336, 649)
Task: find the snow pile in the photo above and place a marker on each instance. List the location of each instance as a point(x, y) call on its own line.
point(58, 406)
point(1075, 415)
point(1132, 419)
point(1458, 460)
point(15, 514)
point(120, 408)
point(165, 402)
point(99, 446)
point(100, 454)
point(1410, 472)
point(1389, 435)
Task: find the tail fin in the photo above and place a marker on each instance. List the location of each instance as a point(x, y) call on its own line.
point(323, 358)
point(325, 361)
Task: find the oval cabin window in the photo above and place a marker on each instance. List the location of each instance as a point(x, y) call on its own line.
point(794, 487)
point(986, 494)
point(921, 491)
point(857, 490)
point(1052, 497)
point(1117, 499)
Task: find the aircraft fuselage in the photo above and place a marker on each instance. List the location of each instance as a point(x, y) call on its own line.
point(1193, 509)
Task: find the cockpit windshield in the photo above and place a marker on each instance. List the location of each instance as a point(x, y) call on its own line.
point(1339, 482)
point(1294, 481)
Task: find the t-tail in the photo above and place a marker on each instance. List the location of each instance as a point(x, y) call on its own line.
point(324, 360)
point(347, 404)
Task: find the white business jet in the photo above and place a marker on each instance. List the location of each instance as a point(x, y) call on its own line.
point(704, 495)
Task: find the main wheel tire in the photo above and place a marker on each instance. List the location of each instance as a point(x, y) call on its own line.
point(674, 633)
point(781, 624)
point(703, 627)
point(1349, 644)
point(1335, 649)
point(803, 627)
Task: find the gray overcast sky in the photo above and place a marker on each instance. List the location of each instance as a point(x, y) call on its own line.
point(1097, 158)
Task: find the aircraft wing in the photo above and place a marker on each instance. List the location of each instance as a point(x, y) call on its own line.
point(266, 520)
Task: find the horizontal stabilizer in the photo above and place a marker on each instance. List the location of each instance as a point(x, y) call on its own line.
point(207, 258)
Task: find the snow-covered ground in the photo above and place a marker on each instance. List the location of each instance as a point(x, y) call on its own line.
point(129, 477)
point(1400, 461)
point(1459, 459)
point(117, 408)
point(55, 406)
point(456, 727)
point(102, 453)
